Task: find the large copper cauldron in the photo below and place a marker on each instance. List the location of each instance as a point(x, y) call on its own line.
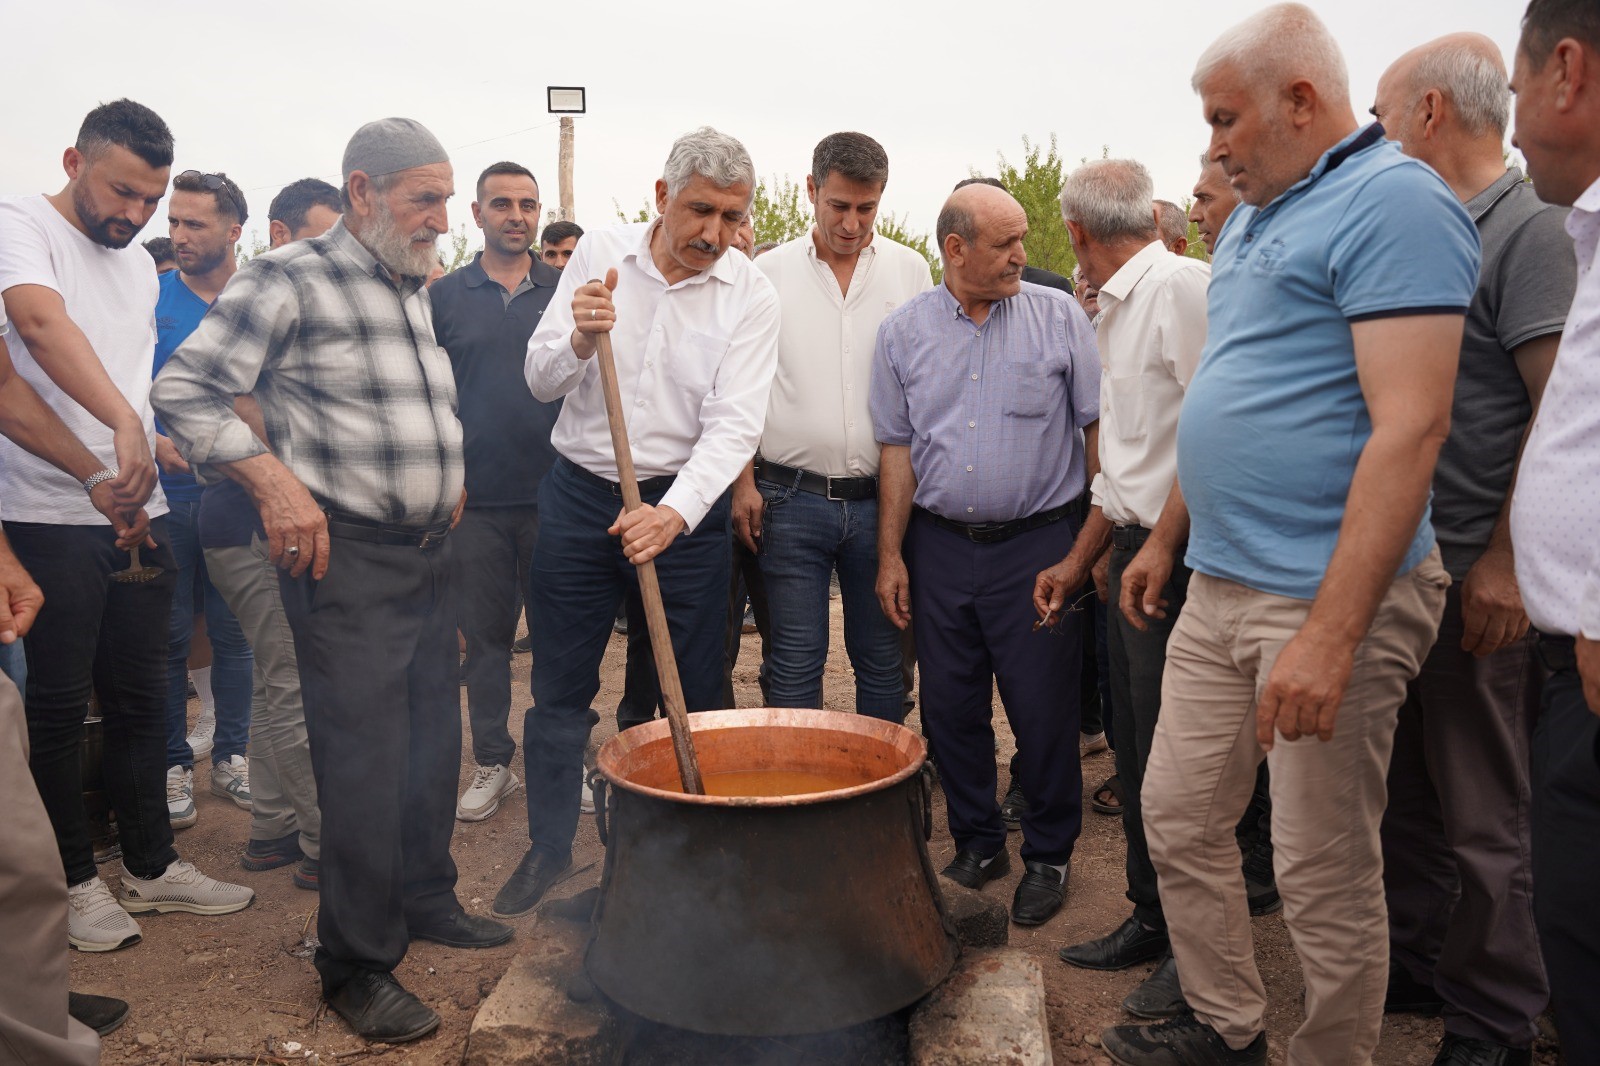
point(761, 916)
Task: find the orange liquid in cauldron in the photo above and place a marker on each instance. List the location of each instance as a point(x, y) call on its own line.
point(769, 782)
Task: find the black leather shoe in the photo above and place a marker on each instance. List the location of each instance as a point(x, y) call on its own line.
point(967, 869)
point(1407, 995)
point(1131, 944)
point(1260, 883)
point(463, 930)
point(1184, 1041)
point(1160, 996)
point(380, 1010)
point(100, 1013)
point(538, 870)
point(1039, 894)
point(1470, 1051)
point(1013, 807)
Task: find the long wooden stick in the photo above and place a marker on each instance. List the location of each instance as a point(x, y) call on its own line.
point(649, 585)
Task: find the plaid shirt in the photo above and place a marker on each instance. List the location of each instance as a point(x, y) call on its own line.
point(359, 401)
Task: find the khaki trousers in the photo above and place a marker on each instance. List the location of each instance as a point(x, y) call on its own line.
point(34, 1027)
point(1327, 803)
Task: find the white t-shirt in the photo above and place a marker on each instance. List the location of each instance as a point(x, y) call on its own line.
point(111, 295)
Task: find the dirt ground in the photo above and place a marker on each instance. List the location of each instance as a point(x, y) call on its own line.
point(206, 987)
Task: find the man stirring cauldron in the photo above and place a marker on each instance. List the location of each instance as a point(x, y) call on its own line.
point(696, 336)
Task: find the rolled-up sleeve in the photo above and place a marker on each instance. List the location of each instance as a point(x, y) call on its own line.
point(733, 413)
point(224, 357)
point(891, 416)
point(552, 368)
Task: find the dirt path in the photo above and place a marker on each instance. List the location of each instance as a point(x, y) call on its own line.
point(234, 983)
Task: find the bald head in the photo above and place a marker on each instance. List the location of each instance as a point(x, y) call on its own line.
point(1459, 80)
point(967, 209)
point(980, 234)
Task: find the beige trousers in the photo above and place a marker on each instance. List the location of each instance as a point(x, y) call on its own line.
point(34, 1027)
point(1327, 803)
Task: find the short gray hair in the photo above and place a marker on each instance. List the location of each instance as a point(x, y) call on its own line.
point(1475, 85)
point(1110, 198)
point(711, 155)
point(1276, 46)
point(1171, 221)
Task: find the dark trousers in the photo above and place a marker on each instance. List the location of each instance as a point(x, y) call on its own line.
point(493, 551)
point(579, 573)
point(376, 644)
point(746, 580)
point(94, 635)
point(1137, 661)
point(1566, 860)
point(973, 611)
point(1457, 839)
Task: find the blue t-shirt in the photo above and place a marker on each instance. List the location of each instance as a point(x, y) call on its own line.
point(1274, 420)
point(178, 312)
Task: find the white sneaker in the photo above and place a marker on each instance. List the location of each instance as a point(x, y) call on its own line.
point(180, 797)
point(586, 799)
point(482, 797)
point(94, 920)
point(1090, 743)
point(231, 780)
point(200, 739)
point(182, 888)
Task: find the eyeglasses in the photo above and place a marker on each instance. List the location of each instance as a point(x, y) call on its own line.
point(215, 183)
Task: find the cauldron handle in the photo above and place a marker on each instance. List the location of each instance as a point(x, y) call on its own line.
point(926, 776)
point(597, 785)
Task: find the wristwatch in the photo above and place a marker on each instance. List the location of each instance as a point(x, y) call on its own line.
point(97, 477)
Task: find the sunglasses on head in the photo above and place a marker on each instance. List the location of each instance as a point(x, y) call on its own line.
point(214, 183)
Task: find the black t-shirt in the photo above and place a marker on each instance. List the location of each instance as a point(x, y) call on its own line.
point(1048, 278)
point(506, 432)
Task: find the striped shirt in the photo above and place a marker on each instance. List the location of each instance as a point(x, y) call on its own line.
point(992, 413)
point(359, 401)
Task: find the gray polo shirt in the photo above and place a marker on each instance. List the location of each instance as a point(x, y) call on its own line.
point(1524, 289)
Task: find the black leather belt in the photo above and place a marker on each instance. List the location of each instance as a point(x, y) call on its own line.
point(1129, 538)
point(353, 528)
point(995, 532)
point(1558, 652)
point(833, 488)
point(649, 486)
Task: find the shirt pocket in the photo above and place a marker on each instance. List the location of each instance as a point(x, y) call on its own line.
point(1031, 389)
point(695, 363)
point(1270, 259)
point(1127, 397)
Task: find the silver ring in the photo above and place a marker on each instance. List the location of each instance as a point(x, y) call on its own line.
point(293, 551)
point(594, 313)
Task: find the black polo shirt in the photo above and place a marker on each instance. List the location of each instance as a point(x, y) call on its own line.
point(485, 331)
point(1047, 278)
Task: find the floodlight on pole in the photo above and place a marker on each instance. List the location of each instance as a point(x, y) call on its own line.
point(566, 101)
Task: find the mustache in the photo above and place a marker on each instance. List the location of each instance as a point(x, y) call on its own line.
point(426, 233)
point(703, 246)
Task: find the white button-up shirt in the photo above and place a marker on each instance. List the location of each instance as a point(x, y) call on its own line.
point(1555, 509)
point(817, 415)
point(694, 363)
point(1151, 329)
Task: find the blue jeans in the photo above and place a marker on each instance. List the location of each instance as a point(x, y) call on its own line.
point(232, 676)
point(14, 664)
point(804, 538)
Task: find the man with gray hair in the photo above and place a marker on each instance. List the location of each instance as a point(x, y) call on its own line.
point(1173, 226)
point(1151, 329)
point(696, 336)
point(1305, 456)
point(1214, 200)
point(334, 337)
point(1457, 843)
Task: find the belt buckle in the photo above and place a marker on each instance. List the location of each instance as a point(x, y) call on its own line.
point(429, 539)
point(828, 490)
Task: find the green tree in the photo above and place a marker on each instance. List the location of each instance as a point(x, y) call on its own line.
point(1037, 187)
point(644, 214)
point(891, 227)
point(461, 250)
point(780, 212)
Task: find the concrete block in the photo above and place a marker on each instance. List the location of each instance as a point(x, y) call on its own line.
point(530, 1019)
point(989, 1012)
point(981, 921)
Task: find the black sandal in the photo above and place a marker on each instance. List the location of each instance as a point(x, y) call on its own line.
point(1108, 797)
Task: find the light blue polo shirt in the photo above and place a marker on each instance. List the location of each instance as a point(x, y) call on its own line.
point(1274, 420)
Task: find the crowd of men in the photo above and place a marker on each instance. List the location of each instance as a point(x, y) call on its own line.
point(1334, 484)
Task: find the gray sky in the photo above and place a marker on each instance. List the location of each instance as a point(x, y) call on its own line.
point(271, 92)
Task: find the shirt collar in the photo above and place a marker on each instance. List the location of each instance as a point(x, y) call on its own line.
point(1480, 204)
point(474, 275)
point(811, 245)
point(1359, 141)
point(1589, 202)
point(1127, 276)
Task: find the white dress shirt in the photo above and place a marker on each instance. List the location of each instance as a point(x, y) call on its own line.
point(1151, 329)
point(694, 363)
point(1555, 509)
point(817, 415)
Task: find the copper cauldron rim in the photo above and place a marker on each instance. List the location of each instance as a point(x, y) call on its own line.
point(891, 733)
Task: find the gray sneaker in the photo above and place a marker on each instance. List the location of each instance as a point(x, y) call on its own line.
point(181, 888)
point(180, 797)
point(231, 780)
